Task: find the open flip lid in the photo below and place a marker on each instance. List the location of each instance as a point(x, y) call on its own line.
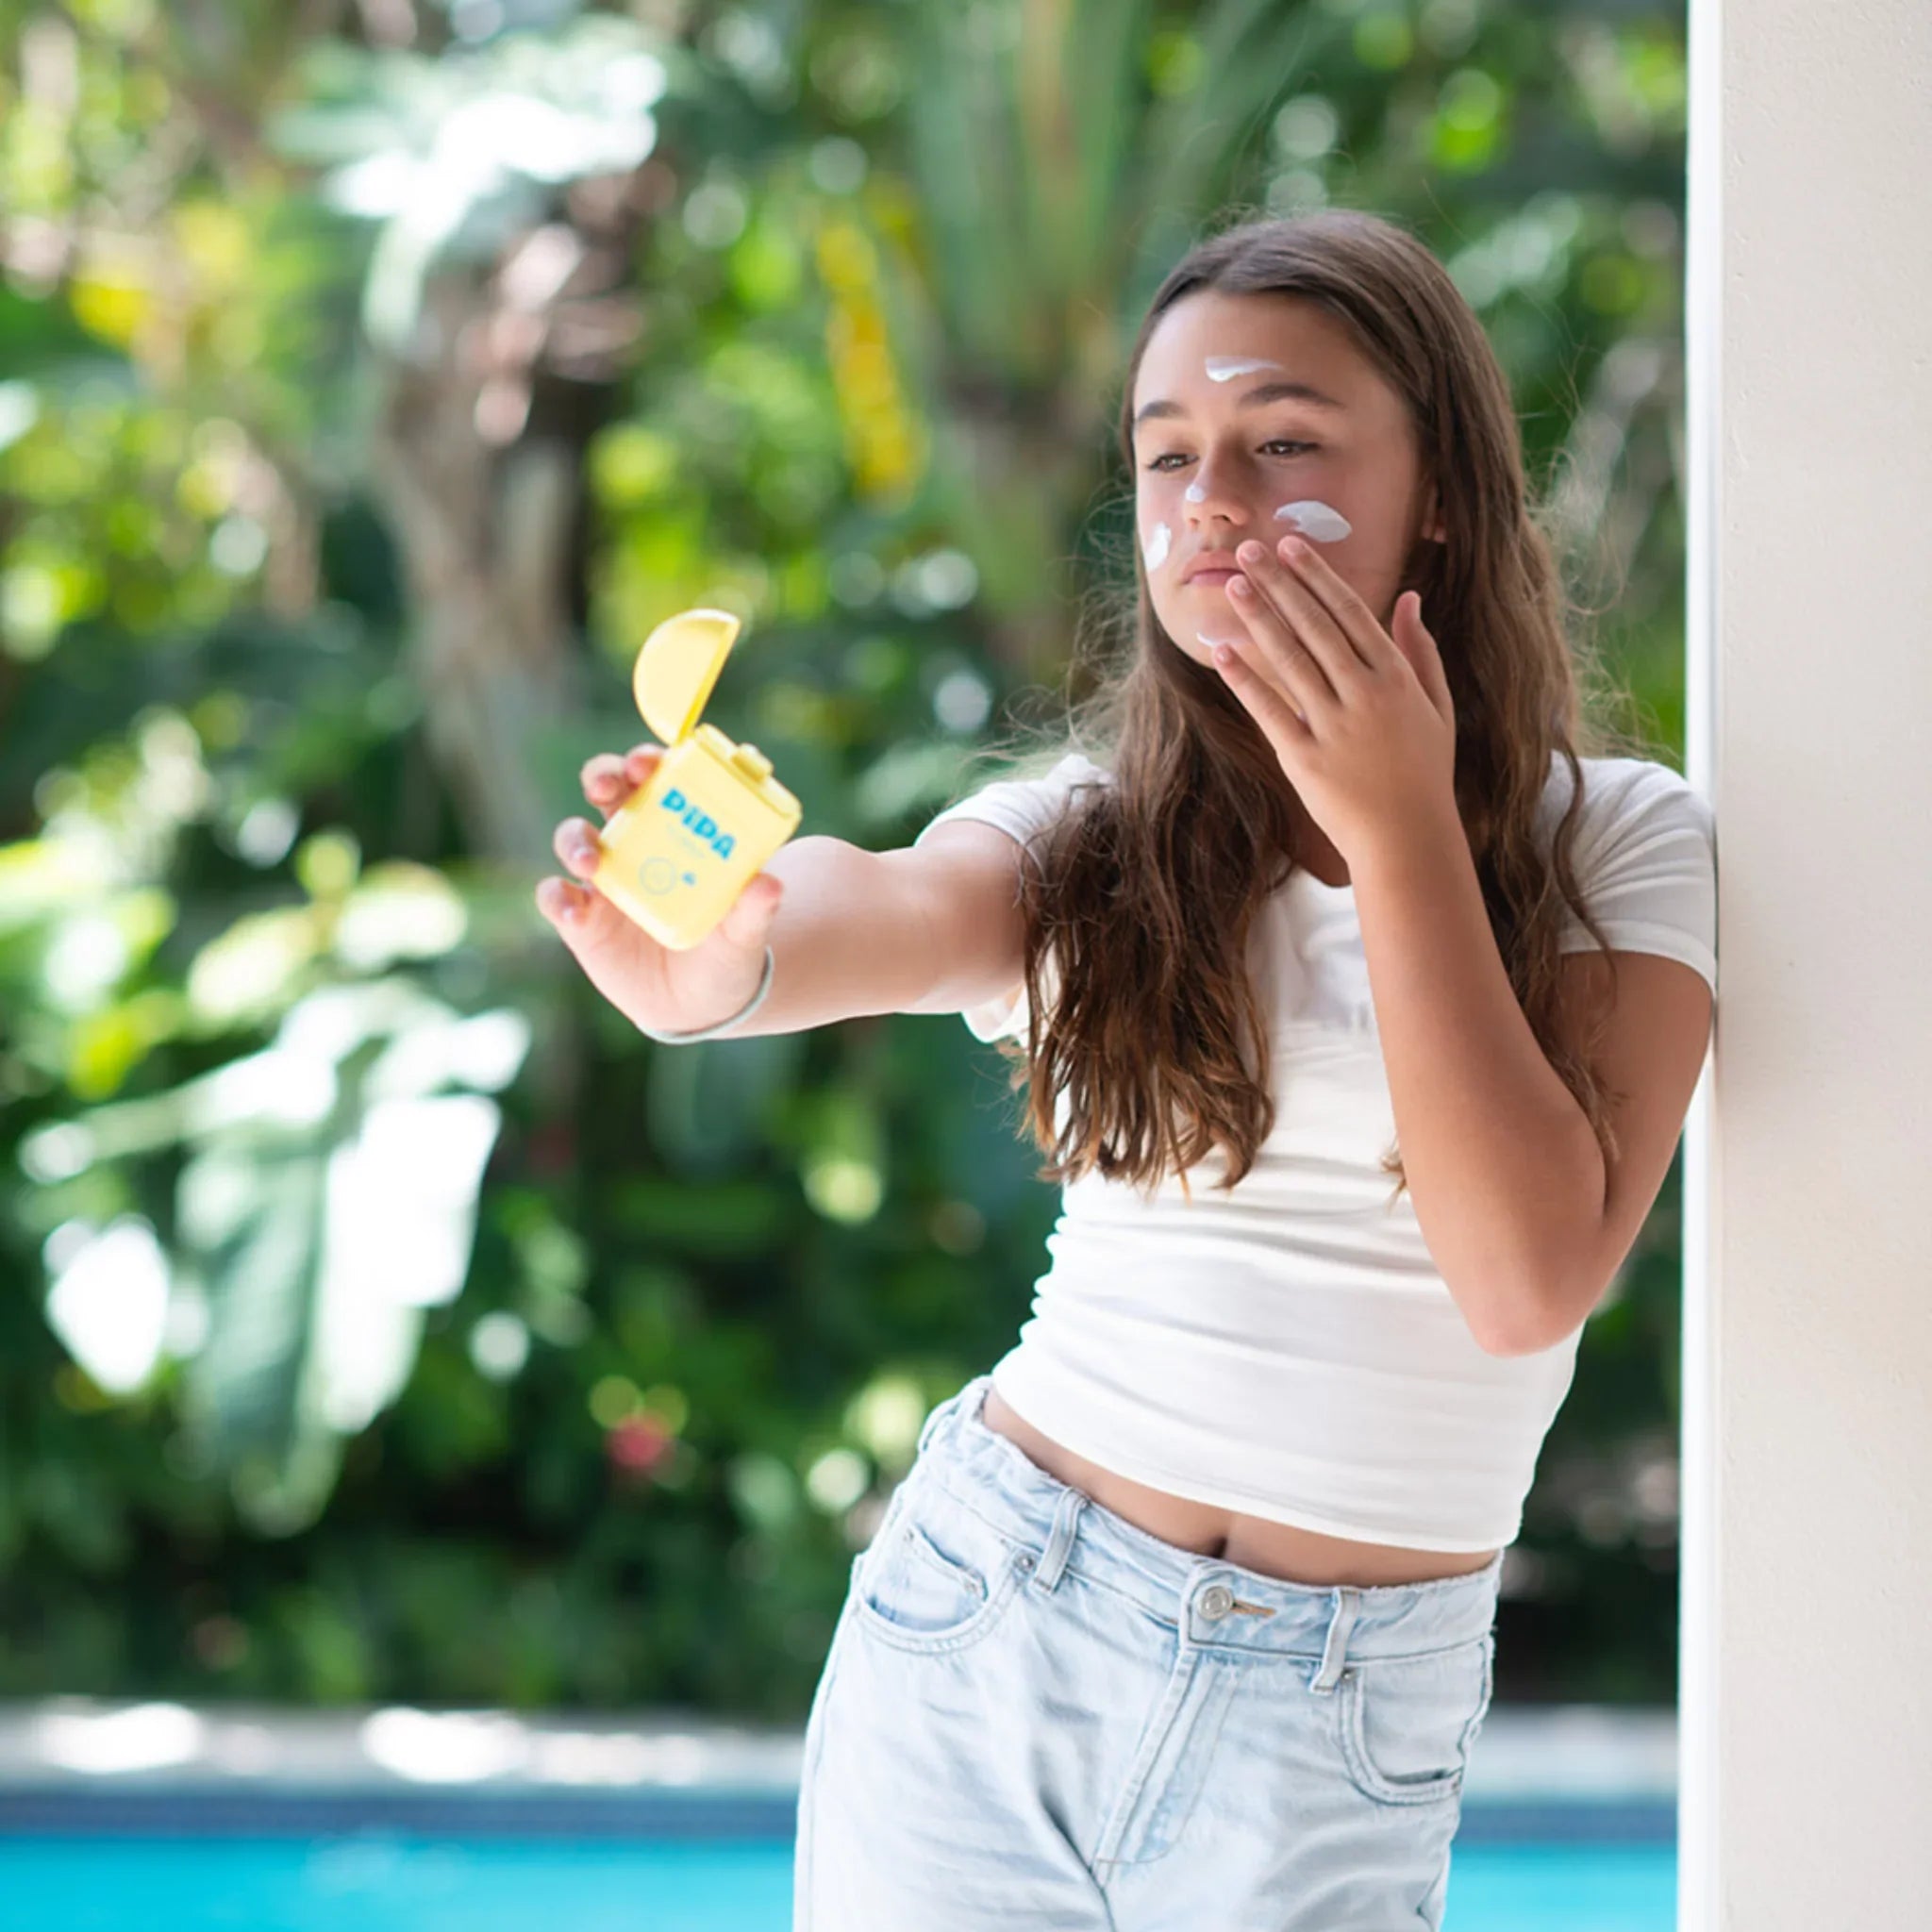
point(676, 668)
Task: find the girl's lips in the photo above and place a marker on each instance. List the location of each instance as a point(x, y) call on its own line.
point(1210, 577)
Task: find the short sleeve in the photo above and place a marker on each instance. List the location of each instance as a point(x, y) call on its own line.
point(1646, 864)
point(1021, 807)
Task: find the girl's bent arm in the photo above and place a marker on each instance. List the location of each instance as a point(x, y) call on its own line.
point(1501, 1160)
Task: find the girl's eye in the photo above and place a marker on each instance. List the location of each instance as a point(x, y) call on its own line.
point(1284, 442)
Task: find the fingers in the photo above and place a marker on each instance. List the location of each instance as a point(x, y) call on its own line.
point(609, 778)
point(590, 925)
point(748, 921)
point(562, 903)
point(577, 847)
point(607, 943)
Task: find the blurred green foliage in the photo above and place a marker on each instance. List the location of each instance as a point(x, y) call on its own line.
point(386, 1318)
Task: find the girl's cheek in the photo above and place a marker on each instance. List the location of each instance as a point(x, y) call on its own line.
point(1156, 541)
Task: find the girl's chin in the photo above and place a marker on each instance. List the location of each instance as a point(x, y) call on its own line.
point(1202, 650)
point(1191, 637)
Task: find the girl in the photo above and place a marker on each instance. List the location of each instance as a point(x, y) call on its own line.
point(1183, 1616)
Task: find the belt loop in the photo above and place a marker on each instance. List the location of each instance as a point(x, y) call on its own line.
point(1346, 1601)
point(940, 1411)
point(1059, 1543)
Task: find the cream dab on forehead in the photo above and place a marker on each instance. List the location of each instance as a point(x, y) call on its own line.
point(1225, 368)
point(1154, 551)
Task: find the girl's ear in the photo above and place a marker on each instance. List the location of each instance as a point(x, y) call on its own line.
point(1432, 523)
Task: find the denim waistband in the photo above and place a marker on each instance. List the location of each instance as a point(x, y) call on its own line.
point(1065, 1529)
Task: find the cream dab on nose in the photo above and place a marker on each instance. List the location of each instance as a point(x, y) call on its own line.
point(1195, 493)
point(1154, 550)
point(1312, 518)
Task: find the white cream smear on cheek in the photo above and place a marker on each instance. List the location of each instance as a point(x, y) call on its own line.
point(1313, 518)
point(1154, 550)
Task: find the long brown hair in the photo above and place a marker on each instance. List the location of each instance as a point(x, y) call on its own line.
point(1139, 899)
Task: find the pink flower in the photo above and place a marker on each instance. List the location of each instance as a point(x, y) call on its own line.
point(637, 1444)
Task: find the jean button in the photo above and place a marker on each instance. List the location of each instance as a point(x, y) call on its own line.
point(1216, 1600)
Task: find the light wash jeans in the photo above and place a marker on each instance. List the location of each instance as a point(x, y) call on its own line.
point(1035, 1715)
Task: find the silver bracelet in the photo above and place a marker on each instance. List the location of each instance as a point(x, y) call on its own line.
point(744, 1012)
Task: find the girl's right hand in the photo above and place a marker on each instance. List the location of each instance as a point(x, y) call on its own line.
point(651, 985)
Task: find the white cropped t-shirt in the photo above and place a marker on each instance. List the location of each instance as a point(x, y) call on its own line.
point(1286, 1348)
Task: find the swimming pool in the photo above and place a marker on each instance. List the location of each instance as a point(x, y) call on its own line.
point(382, 1881)
point(422, 1822)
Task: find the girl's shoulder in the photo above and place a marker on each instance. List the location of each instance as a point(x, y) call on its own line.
point(1028, 797)
point(1645, 861)
point(1622, 796)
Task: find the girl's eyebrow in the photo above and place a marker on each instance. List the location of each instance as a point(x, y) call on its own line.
point(1262, 392)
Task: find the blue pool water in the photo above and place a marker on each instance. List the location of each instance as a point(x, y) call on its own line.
point(384, 1881)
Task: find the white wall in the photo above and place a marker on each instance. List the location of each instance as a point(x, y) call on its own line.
point(1806, 1713)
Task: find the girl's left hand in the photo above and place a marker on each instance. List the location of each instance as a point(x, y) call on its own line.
point(1363, 723)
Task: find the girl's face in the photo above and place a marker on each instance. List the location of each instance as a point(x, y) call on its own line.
point(1247, 407)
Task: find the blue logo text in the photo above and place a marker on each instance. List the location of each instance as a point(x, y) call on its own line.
point(698, 823)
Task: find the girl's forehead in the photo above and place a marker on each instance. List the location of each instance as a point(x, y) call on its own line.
point(1208, 349)
point(1208, 340)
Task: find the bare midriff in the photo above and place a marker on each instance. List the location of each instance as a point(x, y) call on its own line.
point(1255, 1542)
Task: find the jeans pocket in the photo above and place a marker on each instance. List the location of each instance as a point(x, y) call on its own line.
point(936, 1576)
point(1407, 1722)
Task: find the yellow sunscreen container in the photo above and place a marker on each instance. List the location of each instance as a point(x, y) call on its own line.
point(677, 853)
